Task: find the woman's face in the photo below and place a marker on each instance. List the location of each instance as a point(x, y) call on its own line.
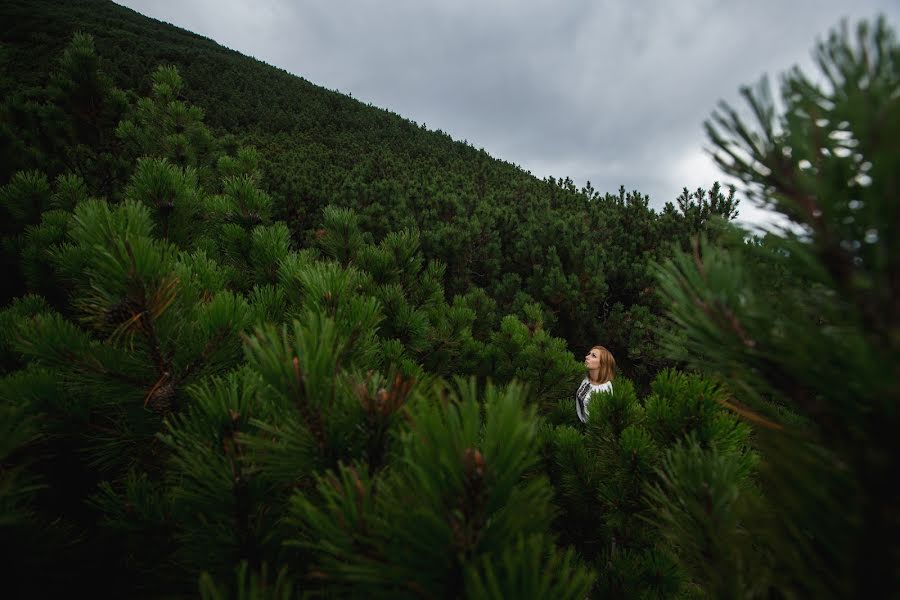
point(592, 359)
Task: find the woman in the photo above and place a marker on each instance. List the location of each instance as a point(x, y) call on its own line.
point(601, 367)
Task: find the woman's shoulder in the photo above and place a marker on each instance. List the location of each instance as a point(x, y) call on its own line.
point(602, 387)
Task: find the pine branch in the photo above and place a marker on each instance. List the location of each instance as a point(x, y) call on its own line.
point(198, 362)
point(234, 452)
point(81, 362)
point(312, 417)
point(162, 363)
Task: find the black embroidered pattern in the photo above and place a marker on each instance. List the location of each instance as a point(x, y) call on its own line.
point(584, 391)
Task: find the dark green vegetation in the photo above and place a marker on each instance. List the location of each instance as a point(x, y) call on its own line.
point(584, 258)
point(292, 345)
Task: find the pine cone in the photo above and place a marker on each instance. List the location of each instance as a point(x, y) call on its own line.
point(161, 398)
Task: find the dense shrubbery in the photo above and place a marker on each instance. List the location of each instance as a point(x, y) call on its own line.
point(339, 362)
point(583, 256)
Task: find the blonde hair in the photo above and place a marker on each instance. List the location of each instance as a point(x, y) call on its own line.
point(607, 364)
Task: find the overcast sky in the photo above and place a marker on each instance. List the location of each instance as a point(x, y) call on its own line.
point(614, 93)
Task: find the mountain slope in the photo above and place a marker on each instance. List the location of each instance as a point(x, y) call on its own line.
point(582, 257)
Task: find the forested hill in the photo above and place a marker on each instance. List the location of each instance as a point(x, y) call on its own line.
point(239, 94)
point(582, 257)
point(259, 340)
point(242, 94)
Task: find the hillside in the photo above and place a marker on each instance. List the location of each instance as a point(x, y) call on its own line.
point(240, 95)
point(259, 340)
point(494, 226)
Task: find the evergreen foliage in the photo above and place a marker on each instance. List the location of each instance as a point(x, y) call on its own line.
point(812, 361)
point(584, 256)
point(630, 446)
point(258, 351)
point(454, 517)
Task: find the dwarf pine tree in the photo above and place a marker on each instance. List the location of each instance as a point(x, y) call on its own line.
point(143, 305)
point(67, 128)
point(813, 365)
point(193, 399)
point(164, 125)
point(420, 327)
point(200, 398)
point(454, 517)
point(602, 474)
